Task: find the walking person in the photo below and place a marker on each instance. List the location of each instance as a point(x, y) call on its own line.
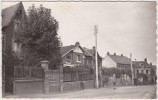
point(114, 81)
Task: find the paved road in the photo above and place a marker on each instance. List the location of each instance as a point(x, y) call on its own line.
point(127, 92)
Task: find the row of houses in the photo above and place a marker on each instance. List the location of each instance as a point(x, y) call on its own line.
point(72, 55)
point(123, 62)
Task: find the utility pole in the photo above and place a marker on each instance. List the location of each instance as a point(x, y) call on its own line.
point(96, 56)
point(132, 70)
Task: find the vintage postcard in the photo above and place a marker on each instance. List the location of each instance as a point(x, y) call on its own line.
point(79, 49)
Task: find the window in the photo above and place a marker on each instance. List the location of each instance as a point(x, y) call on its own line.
point(141, 71)
point(78, 58)
point(137, 71)
point(17, 48)
point(87, 62)
point(16, 24)
point(90, 63)
point(68, 57)
point(146, 71)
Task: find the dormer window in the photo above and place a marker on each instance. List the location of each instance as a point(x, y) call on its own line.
point(142, 65)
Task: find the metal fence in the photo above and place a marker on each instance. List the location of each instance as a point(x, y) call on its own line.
point(28, 73)
point(71, 76)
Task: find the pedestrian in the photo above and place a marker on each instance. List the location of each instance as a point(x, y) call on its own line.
point(114, 81)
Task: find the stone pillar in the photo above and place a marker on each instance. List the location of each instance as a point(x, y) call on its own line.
point(46, 82)
point(44, 65)
point(61, 78)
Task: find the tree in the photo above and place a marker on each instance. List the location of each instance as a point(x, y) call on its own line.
point(38, 37)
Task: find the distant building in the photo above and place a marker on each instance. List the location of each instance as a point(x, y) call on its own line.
point(141, 67)
point(116, 61)
point(75, 55)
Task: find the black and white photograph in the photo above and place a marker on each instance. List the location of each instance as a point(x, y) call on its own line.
point(79, 49)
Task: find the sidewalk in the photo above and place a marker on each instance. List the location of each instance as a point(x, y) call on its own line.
point(120, 92)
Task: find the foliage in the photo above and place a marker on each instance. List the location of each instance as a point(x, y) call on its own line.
point(127, 72)
point(116, 71)
point(111, 71)
point(38, 36)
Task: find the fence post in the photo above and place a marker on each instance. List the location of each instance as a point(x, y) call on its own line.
point(61, 78)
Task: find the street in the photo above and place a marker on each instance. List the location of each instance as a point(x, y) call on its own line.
point(126, 92)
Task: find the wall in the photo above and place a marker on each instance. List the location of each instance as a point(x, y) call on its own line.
point(71, 86)
point(54, 88)
point(108, 62)
point(28, 86)
point(79, 85)
point(37, 86)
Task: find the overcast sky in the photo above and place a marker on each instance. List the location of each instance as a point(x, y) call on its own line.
point(124, 27)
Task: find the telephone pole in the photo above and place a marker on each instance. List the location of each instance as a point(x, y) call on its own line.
point(96, 56)
point(132, 70)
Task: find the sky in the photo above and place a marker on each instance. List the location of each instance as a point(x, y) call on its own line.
point(123, 27)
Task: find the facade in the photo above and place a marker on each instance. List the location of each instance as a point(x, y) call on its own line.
point(75, 55)
point(11, 17)
point(116, 61)
point(142, 67)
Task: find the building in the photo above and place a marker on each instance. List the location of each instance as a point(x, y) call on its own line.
point(75, 55)
point(11, 17)
point(142, 67)
point(116, 61)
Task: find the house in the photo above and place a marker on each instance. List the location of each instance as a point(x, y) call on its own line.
point(116, 61)
point(11, 17)
point(75, 55)
point(142, 67)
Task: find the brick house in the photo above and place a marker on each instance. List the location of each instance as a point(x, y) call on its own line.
point(116, 61)
point(11, 17)
point(142, 67)
point(75, 55)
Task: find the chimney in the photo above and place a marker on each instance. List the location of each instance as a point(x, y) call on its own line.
point(93, 47)
point(77, 43)
point(121, 54)
point(145, 60)
point(114, 54)
point(108, 53)
point(150, 64)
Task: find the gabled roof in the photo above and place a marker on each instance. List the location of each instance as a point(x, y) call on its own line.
point(8, 14)
point(138, 63)
point(86, 52)
point(120, 59)
point(92, 52)
point(66, 49)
